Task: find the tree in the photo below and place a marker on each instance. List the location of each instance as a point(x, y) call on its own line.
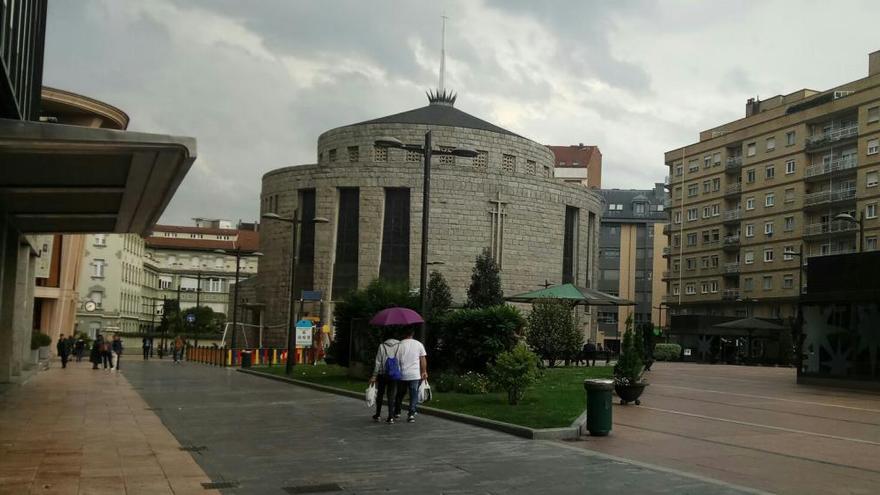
point(485, 289)
point(553, 330)
point(439, 296)
point(629, 367)
point(514, 371)
point(206, 321)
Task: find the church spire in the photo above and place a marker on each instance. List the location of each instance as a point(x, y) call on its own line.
point(441, 96)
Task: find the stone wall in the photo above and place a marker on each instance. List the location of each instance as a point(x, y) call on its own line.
point(461, 222)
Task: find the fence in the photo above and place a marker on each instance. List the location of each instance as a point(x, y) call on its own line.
point(219, 356)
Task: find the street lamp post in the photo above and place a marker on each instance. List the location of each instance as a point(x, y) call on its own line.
point(427, 153)
point(294, 222)
point(237, 252)
point(846, 217)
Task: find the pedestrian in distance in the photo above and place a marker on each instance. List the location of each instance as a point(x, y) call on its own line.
point(96, 353)
point(147, 346)
point(79, 348)
point(116, 349)
point(413, 369)
point(386, 373)
point(106, 354)
point(63, 349)
point(590, 352)
point(178, 349)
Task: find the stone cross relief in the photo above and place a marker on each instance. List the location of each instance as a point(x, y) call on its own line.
point(497, 213)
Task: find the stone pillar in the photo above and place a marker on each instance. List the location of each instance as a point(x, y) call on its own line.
point(23, 314)
point(372, 217)
point(327, 206)
point(8, 263)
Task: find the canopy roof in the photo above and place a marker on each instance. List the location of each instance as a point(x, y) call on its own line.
point(750, 323)
point(573, 293)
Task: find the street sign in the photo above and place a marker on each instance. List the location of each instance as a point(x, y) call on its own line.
point(311, 295)
point(191, 318)
point(304, 329)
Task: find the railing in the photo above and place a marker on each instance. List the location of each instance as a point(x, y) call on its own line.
point(730, 294)
point(833, 227)
point(711, 242)
point(733, 189)
point(731, 240)
point(732, 215)
point(667, 250)
point(832, 136)
point(221, 356)
point(829, 196)
point(842, 163)
point(734, 162)
point(731, 268)
point(832, 252)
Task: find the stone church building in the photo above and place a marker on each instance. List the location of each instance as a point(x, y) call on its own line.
point(506, 199)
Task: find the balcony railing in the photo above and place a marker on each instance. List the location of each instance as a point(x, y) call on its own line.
point(830, 196)
point(733, 162)
point(666, 250)
point(730, 294)
point(833, 227)
point(731, 268)
point(733, 189)
point(842, 163)
point(832, 252)
point(832, 136)
point(732, 215)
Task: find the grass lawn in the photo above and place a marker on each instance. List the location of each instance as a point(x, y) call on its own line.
point(555, 400)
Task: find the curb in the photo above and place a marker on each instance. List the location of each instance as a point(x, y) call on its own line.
point(564, 433)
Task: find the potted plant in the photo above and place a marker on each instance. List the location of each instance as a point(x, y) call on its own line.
point(628, 371)
point(40, 342)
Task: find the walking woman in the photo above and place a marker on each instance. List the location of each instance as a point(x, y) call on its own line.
point(178, 349)
point(95, 354)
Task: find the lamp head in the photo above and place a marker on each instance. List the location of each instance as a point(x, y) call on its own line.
point(846, 217)
point(464, 152)
point(271, 216)
point(388, 142)
point(320, 220)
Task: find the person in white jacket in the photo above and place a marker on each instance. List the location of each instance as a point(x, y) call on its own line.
point(385, 384)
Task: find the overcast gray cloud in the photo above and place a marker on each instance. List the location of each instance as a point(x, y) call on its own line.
point(257, 82)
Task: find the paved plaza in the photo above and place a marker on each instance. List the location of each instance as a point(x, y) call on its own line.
point(752, 426)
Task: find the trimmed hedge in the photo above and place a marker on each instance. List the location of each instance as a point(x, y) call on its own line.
point(667, 352)
point(471, 339)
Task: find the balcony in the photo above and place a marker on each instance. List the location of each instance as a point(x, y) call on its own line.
point(830, 228)
point(828, 197)
point(731, 269)
point(666, 229)
point(849, 162)
point(667, 182)
point(731, 242)
point(733, 189)
point(733, 164)
point(831, 252)
point(666, 250)
point(833, 136)
point(730, 294)
point(730, 216)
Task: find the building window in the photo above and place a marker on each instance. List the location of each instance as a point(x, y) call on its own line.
point(415, 156)
point(789, 195)
point(693, 166)
point(769, 200)
point(750, 176)
point(788, 281)
point(704, 287)
point(873, 115)
point(716, 159)
point(100, 239)
point(481, 161)
point(750, 230)
point(707, 161)
point(750, 203)
point(678, 170)
point(693, 214)
point(676, 217)
point(713, 286)
point(771, 143)
point(871, 210)
point(354, 153)
point(531, 167)
point(768, 255)
point(331, 155)
point(768, 228)
point(446, 159)
point(395, 236)
point(639, 208)
point(692, 239)
point(98, 265)
point(748, 257)
point(748, 284)
point(570, 245)
point(790, 138)
point(788, 224)
point(871, 179)
point(768, 282)
point(707, 212)
point(508, 163)
point(380, 154)
point(690, 289)
point(690, 264)
point(751, 149)
point(547, 172)
point(789, 167)
point(675, 290)
point(716, 185)
point(164, 282)
point(871, 243)
point(873, 146)
point(787, 253)
point(345, 265)
point(770, 172)
point(707, 186)
point(693, 190)
point(214, 285)
point(610, 275)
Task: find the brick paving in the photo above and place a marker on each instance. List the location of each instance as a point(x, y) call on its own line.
point(752, 426)
point(79, 431)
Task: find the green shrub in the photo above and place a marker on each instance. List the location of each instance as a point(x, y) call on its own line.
point(514, 371)
point(629, 367)
point(485, 289)
point(553, 330)
point(667, 352)
point(39, 340)
point(471, 339)
point(468, 383)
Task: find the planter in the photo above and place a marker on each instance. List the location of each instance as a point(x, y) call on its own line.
point(44, 352)
point(630, 393)
point(35, 356)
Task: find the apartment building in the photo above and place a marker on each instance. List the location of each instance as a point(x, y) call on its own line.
point(578, 164)
point(631, 243)
point(798, 174)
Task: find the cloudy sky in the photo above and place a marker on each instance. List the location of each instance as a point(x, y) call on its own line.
point(257, 81)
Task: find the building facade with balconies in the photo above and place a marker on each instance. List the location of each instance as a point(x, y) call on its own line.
point(754, 193)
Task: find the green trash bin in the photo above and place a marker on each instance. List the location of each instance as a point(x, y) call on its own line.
point(246, 359)
point(599, 406)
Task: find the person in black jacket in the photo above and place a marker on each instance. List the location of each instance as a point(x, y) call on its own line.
point(116, 349)
point(95, 355)
point(63, 349)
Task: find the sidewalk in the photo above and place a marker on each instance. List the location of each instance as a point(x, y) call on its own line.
point(79, 431)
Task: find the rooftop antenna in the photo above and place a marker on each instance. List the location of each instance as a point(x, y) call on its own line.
point(441, 96)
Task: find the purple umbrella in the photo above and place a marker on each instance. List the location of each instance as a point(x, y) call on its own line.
point(396, 316)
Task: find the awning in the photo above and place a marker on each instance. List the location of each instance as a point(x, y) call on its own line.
point(570, 292)
point(70, 179)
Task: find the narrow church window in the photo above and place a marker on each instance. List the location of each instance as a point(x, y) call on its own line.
point(395, 235)
point(570, 245)
point(345, 267)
